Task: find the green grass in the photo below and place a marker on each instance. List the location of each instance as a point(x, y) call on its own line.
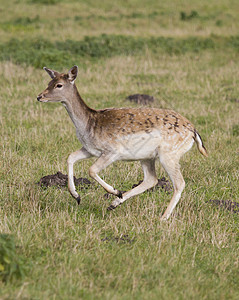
point(38, 52)
point(184, 54)
point(11, 265)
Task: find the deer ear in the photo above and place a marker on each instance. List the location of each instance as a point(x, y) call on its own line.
point(72, 74)
point(52, 73)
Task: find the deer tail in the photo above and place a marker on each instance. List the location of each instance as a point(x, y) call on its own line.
point(200, 145)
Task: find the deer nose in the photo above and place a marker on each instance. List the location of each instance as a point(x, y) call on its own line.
point(39, 97)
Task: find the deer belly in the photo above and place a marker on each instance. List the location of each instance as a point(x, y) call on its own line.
point(139, 146)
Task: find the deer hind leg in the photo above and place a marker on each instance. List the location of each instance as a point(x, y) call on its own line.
point(74, 157)
point(172, 167)
point(150, 180)
point(102, 162)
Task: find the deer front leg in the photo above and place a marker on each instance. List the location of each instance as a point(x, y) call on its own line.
point(102, 162)
point(74, 157)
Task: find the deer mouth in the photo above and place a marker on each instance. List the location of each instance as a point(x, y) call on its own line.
point(43, 99)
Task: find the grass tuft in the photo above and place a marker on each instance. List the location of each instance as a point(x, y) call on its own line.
point(45, 2)
point(11, 264)
point(186, 17)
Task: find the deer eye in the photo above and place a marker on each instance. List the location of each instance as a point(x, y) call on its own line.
point(59, 85)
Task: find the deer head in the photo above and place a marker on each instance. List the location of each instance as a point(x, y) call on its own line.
point(61, 87)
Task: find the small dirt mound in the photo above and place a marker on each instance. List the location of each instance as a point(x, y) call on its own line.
point(226, 204)
point(60, 180)
point(141, 99)
point(163, 184)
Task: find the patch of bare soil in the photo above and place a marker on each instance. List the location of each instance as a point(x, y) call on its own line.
point(226, 204)
point(60, 180)
point(141, 99)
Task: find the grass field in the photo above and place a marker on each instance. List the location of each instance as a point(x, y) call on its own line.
point(185, 54)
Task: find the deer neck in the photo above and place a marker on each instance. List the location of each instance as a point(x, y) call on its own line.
point(79, 113)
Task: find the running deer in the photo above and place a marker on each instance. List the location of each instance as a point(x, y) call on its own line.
point(127, 134)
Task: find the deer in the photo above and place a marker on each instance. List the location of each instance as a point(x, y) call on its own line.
point(142, 134)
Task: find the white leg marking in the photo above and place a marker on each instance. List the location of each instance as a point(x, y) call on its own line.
point(102, 162)
point(172, 167)
point(74, 157)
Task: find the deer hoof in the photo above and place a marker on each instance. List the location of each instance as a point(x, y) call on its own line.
point(111, 207)
point(78, 200)
point(114, 204)
point(120, 194)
